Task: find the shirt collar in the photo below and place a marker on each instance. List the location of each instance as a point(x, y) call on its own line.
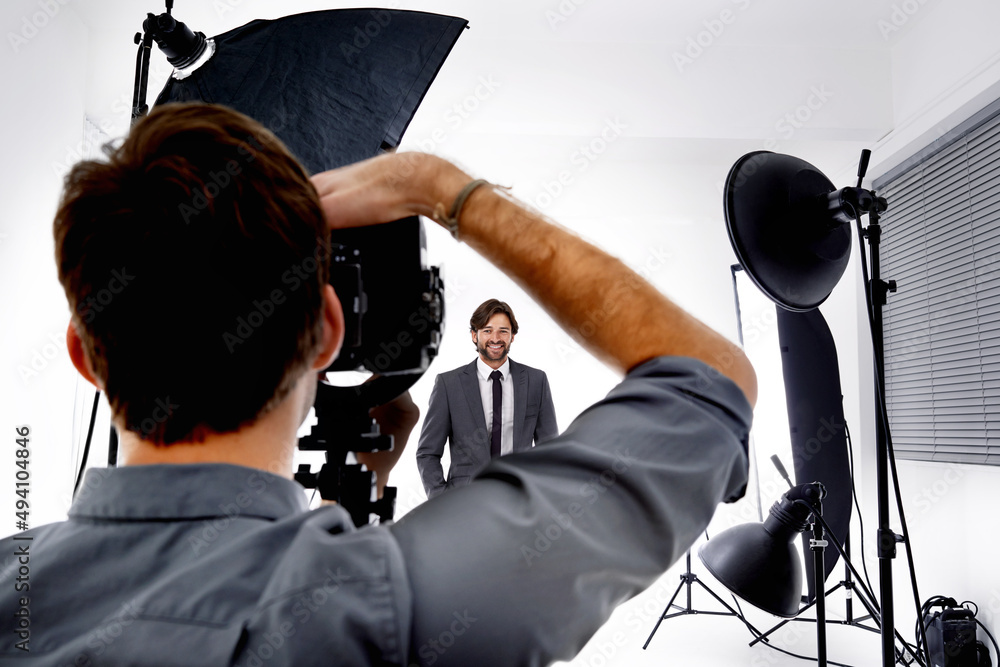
point(485, 370)
point(191, 491)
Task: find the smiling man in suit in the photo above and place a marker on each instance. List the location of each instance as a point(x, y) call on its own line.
point(488, 408)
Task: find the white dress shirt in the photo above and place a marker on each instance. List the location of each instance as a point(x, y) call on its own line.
point(486, 393)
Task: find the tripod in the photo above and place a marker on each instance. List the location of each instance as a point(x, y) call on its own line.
point(688, 578)
point(852, 590)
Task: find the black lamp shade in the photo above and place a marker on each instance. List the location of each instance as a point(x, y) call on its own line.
point(758, 566)
point(782, 228)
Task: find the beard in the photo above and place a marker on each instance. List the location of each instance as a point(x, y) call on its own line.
point(494, 355)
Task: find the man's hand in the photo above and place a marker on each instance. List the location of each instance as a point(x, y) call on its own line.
point(386, 188)
point(396, 418)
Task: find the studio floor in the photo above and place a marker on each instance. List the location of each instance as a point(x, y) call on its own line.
point(700, 640)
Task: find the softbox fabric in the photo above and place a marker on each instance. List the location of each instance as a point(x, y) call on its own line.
point(335, 86)
point(816, 421)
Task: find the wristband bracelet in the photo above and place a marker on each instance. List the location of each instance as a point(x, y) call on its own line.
point(450, 219)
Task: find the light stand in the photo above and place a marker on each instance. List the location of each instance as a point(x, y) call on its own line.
point(886, 538)
point(757, 562)
point(790, 229)
point(689, 578)
point(847, 583)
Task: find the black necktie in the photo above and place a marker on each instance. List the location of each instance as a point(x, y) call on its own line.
point(497, 414)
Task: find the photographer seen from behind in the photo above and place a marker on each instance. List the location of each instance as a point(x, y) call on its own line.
point(200, 549)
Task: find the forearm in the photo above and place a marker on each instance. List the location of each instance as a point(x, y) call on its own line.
point(604, 305)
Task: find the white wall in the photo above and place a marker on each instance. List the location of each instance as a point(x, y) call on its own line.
point(42, 120)
point(945, 68)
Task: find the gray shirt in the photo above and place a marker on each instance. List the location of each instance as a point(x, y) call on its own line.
point(218, 564)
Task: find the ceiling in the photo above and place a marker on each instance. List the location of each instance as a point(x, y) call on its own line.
point(728, 74)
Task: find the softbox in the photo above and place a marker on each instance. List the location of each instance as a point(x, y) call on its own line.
point(336, 87)
point(816, 421)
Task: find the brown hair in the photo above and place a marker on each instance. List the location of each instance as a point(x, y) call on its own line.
point(193, 260)
point(488, 309)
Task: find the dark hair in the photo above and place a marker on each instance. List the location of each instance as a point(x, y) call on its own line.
point(194, 260)
point(488, 309)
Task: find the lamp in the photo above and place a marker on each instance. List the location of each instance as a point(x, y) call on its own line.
point(790, 228)
point(757, 562)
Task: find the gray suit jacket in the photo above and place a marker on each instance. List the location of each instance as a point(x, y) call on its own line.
point(456, 414)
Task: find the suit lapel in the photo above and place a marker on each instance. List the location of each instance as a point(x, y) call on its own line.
point(520, 377)
point(470, 387)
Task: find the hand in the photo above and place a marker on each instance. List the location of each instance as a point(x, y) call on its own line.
point(386, 188)
point(396, 418)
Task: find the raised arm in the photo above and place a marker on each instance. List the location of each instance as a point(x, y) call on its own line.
point(604, 305)
point(554, 537)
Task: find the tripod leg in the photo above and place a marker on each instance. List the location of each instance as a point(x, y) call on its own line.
point(684, 580)
point(754, 631)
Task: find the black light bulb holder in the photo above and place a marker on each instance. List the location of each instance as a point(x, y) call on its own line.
point(789, 517)
point(178, 42)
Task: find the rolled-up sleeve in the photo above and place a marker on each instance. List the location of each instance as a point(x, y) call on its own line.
point(526, 563)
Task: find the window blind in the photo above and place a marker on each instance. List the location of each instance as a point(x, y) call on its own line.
point(941, 244)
